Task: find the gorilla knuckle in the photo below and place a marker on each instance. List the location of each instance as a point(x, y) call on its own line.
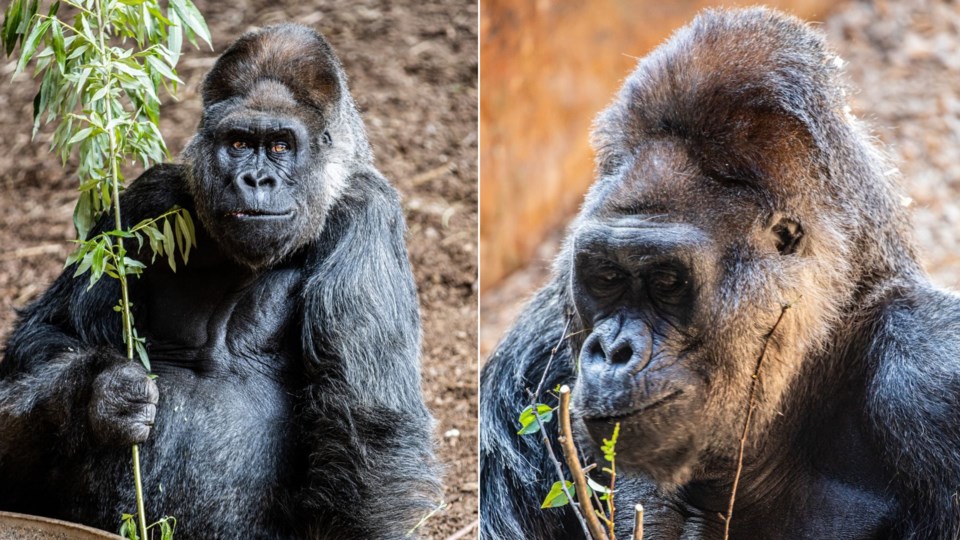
point(123, 404)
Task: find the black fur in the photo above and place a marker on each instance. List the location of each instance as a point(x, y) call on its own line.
point(287, 349)
point(733, 181)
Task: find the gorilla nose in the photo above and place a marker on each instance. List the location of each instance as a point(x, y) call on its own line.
point(256, 184)
point(622, 351)
point(619, 353)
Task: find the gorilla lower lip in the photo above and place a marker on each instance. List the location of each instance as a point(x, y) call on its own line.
point(259, 214)
point(643, 408)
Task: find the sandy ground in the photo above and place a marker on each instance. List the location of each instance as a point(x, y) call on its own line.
point(903, 58)
point(413, 70)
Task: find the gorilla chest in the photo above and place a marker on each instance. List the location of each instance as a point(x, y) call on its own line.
point(211, 321)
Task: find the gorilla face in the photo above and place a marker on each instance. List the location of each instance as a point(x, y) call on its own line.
point(635, 283)
point(263, 197)
point(676, 279)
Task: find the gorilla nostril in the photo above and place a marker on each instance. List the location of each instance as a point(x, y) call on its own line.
point(596, 350)
point(622, 355)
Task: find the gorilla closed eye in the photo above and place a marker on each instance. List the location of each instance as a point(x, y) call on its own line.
point(666, 282)
point(326, 138)
point(606, 280)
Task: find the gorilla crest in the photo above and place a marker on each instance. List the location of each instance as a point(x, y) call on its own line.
point(288, 401)
point(732, 182)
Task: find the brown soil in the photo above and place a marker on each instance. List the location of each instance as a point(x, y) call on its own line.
point(413, 69)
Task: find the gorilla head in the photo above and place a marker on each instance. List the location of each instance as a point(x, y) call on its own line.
point(727, 190)
point(271, 154)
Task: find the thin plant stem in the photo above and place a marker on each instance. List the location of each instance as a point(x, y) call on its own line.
point(751, 405)
point(534, 397)
point(573, 463)
point(611, 508)
point(121, 275)
point(141, 512)
point(559, 471)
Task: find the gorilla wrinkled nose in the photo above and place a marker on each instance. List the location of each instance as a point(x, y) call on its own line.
point(611, 360)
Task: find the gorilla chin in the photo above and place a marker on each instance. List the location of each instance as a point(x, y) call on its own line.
point(257, 239)
point(656, 412)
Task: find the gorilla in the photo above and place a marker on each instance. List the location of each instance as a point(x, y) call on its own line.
point(732, 182)
point(287, 402)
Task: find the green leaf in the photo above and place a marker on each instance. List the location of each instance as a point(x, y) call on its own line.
point(81, 135)
point(85, 264)
point(30, 45)
point(11, 22)
point(174, 37)
point(557, 497)
point(189, 14)
point(528, 420)
point(597, 486)
point(130, 67)
point(168, 245)
point(58, 47)
point(142, 354)
point(83, 218)
point(163, 69)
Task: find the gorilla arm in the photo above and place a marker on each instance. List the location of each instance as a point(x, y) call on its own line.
point(368, 431)
point(63, 356)
point(515, 470)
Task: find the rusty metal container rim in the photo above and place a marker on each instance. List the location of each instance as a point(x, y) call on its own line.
point(54, 525)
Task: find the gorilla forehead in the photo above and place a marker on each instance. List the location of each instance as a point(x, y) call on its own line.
point(663, 180)
point(294, 56)
point(758, 120)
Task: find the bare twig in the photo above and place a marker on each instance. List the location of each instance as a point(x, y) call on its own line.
point(559, 471)
point(32, 251)
point(437, 172)
point(546, 369)
point(573, 463)
point(462, 533)
point(751, 405)
point(638, 522)
point(534, 398)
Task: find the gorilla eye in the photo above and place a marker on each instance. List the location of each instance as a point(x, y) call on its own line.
point(665, 282)
point(238, 145)
point(279, 148)
point(326, 138)
point(606, 280)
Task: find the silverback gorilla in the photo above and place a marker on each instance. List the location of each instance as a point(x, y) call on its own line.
point(288, 402)
point(731, 182)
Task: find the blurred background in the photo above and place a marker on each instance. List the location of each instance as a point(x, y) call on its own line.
point(548, 67)
point(413, 72)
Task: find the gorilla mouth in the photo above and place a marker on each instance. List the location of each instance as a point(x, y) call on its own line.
point(653, 404)
point(259, 214)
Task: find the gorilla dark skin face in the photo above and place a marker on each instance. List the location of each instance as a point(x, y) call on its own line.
point(634, 279)
point(287, 403)
point(731, 183)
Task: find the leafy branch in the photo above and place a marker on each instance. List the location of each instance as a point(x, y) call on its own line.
point(103, 98)
point(582, 488)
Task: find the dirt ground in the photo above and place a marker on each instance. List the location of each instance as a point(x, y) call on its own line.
point(902, 59)
point(413, 70)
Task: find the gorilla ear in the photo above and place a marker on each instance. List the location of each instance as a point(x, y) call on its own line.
point(786, 235)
